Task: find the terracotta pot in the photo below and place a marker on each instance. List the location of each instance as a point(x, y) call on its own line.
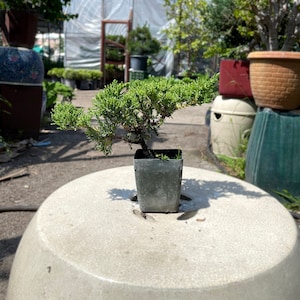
point(275, 79)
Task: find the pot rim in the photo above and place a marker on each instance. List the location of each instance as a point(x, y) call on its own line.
point(274, 55)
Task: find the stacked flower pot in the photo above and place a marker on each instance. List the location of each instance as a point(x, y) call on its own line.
point(233, 111)
point(272, 160)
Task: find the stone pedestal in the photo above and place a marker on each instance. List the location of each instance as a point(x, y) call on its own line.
point(89, 241)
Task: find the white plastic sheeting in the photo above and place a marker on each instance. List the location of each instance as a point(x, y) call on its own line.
point(83, 35)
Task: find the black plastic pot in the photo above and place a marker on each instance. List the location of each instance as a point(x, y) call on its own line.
point(158, 180)
point(138, 62)
point(86, 84)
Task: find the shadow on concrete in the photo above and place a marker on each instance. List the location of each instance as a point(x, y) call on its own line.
point(201, 192)
point(10, 245)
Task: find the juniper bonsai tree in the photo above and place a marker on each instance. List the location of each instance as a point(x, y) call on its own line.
point(133, 111)
point(141, 42)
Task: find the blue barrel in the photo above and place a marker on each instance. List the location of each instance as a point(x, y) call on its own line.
point(273, 153)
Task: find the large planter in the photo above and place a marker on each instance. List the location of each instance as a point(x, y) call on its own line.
point(272, 161)
point(235, 79)
point(158, 181)
point(21, 77)
point(22, 118)
point(19, 28)
point(21, 66)
point(275, 79)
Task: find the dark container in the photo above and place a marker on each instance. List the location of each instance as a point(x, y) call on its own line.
point(21, 77)
point(21, 119)
point(272, 161)
point(138, 62)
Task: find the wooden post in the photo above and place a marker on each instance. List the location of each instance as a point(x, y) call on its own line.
point(128, 23)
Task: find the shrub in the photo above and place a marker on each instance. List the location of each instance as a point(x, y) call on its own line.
point(54, 90)
point(131, 111)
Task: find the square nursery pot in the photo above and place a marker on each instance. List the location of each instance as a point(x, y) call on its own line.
point(158, 181)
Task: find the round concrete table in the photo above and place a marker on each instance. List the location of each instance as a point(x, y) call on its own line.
point(89, 241)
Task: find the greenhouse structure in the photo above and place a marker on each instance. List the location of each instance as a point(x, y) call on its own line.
point(83, 35)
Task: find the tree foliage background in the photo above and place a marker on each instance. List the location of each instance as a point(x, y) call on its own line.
point(231, 28)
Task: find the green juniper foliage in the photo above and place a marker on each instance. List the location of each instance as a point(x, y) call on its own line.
point(141, 42)
point(54, 90)
point(133, 111)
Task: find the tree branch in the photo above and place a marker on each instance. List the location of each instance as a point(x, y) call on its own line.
point(292, 29)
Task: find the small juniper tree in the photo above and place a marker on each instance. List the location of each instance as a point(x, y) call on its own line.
point(133, 111)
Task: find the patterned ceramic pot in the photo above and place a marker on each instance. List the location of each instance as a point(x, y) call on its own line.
point(21, 66)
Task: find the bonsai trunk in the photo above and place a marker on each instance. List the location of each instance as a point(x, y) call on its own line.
point(149, 153)
point(292, 31)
